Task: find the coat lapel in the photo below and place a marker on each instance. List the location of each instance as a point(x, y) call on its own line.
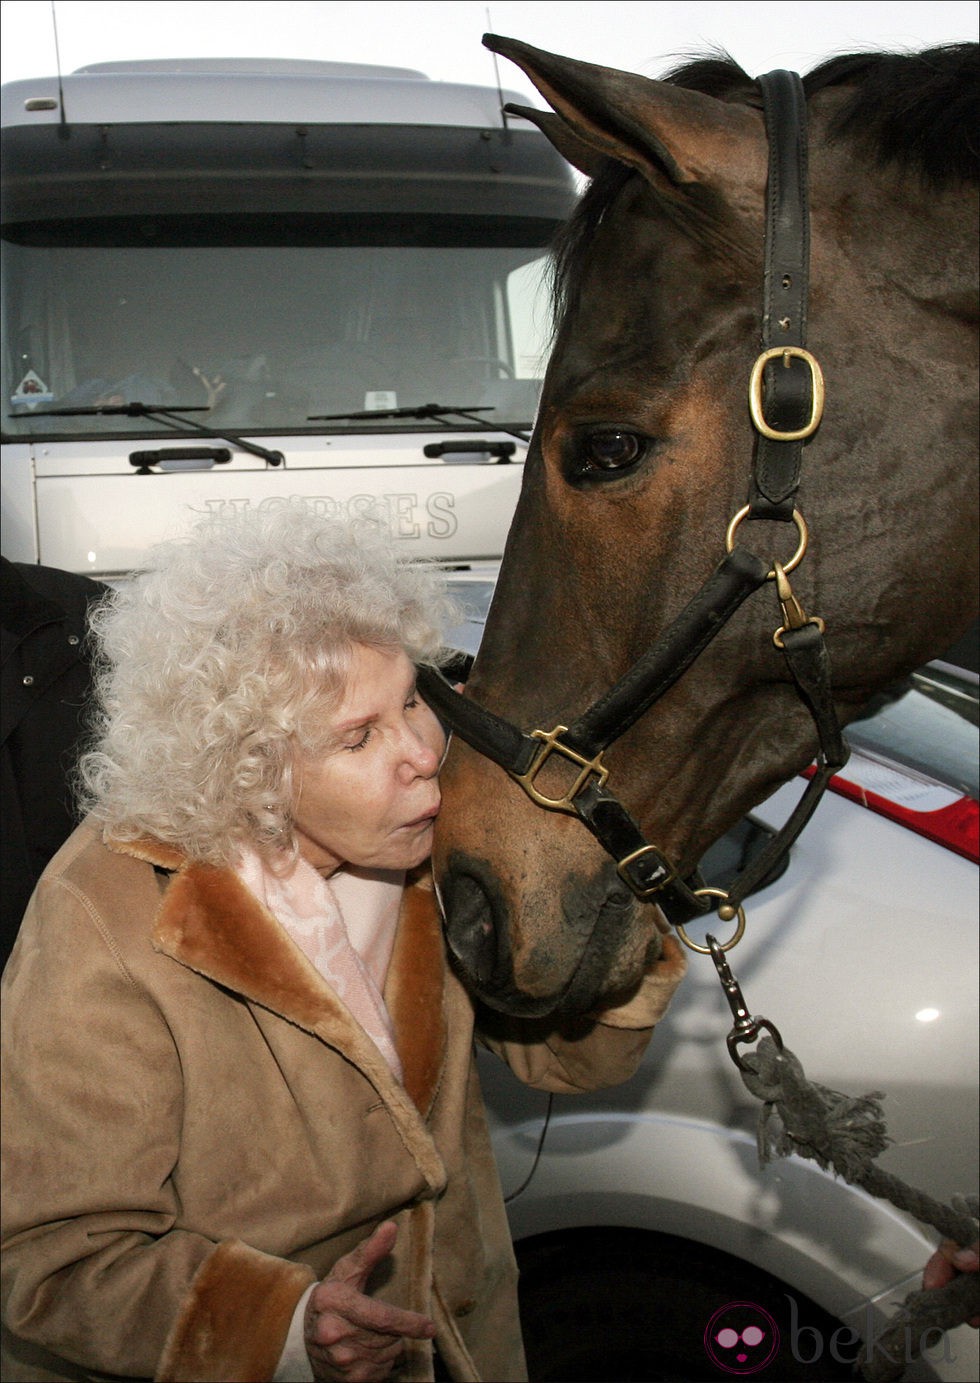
point(415, 992)
point(210, 922)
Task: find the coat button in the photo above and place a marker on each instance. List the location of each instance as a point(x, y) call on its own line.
point(73, 639)
point(465, 1307)
point(28, 681)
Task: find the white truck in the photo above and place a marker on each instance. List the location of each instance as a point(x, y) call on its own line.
point(228, 283)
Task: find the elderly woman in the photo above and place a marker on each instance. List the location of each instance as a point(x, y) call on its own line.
point(244, 1134)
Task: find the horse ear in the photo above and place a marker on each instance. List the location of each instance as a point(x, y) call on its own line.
point(580, 155)
point(655, 127)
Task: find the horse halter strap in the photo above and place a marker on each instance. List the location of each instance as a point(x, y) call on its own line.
point(785, 403)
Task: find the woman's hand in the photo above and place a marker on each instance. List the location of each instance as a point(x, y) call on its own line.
point(350, 1336)
point(948, 1260)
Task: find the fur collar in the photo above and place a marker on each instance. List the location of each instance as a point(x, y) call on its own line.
point(210, 922)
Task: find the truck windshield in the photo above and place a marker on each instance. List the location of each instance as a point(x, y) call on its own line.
point(269, 324)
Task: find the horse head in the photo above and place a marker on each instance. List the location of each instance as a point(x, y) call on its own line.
point(642, 453)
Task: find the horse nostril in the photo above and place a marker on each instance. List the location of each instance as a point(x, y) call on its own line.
point(619, 896)
point(470, 929)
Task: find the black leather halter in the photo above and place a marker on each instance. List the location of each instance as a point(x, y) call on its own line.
point(785, 403)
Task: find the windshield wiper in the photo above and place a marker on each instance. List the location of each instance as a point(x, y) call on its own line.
point(168, 415)
point(424, 410)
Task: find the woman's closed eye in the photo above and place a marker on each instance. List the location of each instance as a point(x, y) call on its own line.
point(363, 734)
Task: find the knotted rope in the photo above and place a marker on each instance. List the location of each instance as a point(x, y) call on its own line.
point(845, 1134)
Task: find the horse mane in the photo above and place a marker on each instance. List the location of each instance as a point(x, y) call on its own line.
point(917, 110)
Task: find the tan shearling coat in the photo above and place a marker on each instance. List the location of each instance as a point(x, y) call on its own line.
point(196, 1129)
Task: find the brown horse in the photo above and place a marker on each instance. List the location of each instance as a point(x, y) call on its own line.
point(642, 453)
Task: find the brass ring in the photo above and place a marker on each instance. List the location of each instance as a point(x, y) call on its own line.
point(732, 941)
point(797, 556)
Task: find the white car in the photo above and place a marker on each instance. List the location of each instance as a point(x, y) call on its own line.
point(652, 1245)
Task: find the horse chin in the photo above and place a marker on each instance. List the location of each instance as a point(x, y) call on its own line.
point(564, 963)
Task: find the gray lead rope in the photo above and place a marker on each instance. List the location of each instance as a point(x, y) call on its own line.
point(844, 1134)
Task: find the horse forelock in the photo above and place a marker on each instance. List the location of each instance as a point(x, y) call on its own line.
point(916, 110)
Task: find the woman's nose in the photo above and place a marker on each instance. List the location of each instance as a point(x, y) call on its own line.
point(422, 750)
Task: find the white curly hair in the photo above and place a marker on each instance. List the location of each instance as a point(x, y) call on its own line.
point(221, 663)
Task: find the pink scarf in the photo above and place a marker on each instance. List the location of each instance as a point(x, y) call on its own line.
point(345, 926)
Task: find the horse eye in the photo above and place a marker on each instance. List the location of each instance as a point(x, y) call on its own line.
point(612, 449)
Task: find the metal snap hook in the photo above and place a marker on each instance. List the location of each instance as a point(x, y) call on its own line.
point(793, 612)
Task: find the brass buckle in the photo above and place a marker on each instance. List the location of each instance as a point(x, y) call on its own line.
point(552, 744)
point(816, 399)
point(670, 872)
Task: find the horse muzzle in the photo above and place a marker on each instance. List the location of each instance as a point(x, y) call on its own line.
point(529, 955)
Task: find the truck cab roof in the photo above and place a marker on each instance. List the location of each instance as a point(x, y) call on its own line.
point(252, 90)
